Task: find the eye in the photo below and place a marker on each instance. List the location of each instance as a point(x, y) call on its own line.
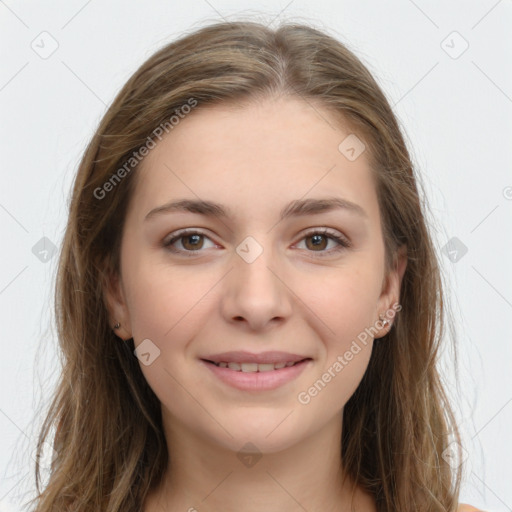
point(192, 241)
point(320, 238)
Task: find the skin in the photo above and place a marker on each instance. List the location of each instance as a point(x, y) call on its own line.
point(254, 160)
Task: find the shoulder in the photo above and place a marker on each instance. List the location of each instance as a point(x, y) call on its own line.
point(467, 508)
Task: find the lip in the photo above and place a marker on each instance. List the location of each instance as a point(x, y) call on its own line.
point(249, 357)
point(257, 381)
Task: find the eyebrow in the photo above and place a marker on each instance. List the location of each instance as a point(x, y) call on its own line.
point(294, 209)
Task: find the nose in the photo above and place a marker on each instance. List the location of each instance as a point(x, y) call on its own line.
point(255, 294)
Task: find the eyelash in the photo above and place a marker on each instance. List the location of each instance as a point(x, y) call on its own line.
point(343, 243)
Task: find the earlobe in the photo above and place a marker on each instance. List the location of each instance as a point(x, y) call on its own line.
point(113, 295)
point(390, 295)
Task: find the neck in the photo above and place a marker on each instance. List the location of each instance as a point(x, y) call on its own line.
point(203, 475)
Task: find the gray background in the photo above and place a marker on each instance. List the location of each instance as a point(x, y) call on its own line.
point(454, 104)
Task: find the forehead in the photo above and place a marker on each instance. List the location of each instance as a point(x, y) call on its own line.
point(276, 150)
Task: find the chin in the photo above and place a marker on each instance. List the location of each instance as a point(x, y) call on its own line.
point(272, 432)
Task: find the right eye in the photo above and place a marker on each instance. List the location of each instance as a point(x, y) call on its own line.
point(190, 239)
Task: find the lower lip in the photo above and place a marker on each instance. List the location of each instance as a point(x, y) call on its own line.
point(258, 381)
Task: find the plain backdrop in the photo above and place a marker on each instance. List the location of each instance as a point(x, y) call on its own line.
point(446, 69)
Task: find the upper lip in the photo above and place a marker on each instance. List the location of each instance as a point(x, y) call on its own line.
point(249, 357)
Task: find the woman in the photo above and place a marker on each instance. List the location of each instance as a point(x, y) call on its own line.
point(249, 303)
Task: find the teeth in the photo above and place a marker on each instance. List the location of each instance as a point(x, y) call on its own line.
point(265, 367)
point(254, 367)
point(249, 367)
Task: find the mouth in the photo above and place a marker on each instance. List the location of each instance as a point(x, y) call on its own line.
point(256, 377)
point(255, 367)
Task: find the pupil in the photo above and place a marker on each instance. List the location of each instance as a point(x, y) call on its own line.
point(195, 239)
point(317, 240)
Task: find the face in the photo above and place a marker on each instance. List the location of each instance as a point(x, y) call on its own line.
point(306, 284)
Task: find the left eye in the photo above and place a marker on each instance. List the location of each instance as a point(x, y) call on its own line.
point(193, 241)
point(317, 240)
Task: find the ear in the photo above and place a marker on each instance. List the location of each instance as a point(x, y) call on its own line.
point(390, 295)
point(115, 300)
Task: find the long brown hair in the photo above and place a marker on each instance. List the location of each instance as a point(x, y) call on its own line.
point(109, 441)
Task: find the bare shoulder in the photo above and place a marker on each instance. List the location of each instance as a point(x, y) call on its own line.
point(467, 508)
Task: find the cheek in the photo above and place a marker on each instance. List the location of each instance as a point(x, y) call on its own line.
point(343, 300)
point(164, 301)
point(331, 390)
point(168, 306)
point(165, 307)
point(346, 312)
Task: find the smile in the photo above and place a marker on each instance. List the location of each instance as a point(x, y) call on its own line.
point(256, 376)
point(254, 367)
